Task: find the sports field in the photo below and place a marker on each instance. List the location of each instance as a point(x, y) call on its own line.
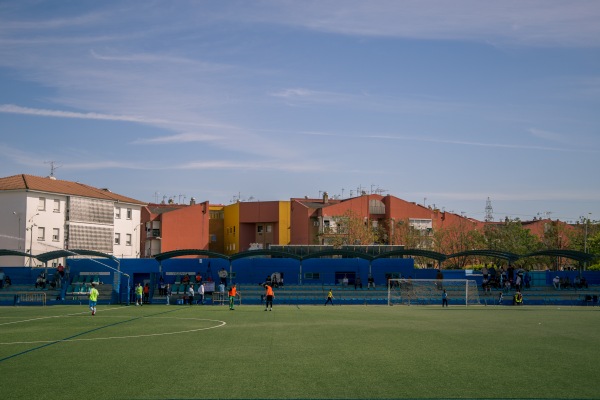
point(316, 352)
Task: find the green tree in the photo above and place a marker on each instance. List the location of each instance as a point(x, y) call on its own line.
point(458, 238)
point(350, 229)
point(511, 237)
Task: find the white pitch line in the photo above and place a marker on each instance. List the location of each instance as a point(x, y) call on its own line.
point(222, 323)
point(53, 316)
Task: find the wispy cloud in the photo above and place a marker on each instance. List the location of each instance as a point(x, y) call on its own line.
point(530, 22)
point(547, 135)
point(14, 109)
point(535, 195)
point(415, 138)
point(180, 138)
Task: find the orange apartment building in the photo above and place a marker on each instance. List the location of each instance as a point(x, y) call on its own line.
point(174, 227)
point(256, 225)
point(242, 226)
point(310, 218)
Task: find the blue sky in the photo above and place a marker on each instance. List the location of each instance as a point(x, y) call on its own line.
point(444, 103)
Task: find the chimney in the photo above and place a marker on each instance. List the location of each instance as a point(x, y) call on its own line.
point(192, 201)
point(325, 198)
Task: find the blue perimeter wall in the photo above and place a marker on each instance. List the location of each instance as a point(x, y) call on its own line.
point(255, 271)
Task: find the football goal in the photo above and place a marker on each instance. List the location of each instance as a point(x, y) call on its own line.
point(429, 291)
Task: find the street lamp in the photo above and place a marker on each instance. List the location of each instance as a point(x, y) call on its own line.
point(18, 215)
point(587, 222)
point(31, 238)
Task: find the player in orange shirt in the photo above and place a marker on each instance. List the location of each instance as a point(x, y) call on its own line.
point(232, 294)
point(269, 297)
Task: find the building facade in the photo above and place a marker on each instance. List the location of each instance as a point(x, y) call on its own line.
point(167, 227)
point(42, 214)
point(255, 225)
point(318, 221)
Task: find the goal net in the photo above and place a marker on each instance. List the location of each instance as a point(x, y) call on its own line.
point(429, 291)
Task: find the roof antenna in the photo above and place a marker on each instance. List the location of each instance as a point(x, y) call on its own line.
point(53, 168)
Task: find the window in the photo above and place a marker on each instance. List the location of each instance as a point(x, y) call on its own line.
point(312, 275)
point(129, 212)
point(259, 229)
point(213, 238)
point(41, 233)
point(55, 234)
point(117, 238)
point(56, 206)
point(118, 212)
point(269, 228)
point(42, 204)
point(128, 239)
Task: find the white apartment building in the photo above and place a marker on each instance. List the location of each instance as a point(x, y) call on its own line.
point(38, 215)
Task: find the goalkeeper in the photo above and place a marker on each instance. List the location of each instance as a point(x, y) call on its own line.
point(93, 298)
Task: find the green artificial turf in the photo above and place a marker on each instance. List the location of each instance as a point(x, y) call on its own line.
point(313, 352)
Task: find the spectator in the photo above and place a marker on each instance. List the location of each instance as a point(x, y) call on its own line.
point(1, 278)
point(527, 280)
point(191, 295)
point(329, 297)
point(198, 278)
point(139, 292)
point(439, 278)
point(186, 278)
point(357, 283)
point(161, 286)
point(584, 283)
point(484, 271)
point(55, 282)
point(492, 272)
point(146, 293)
point(500, 297)
point(345, 280)
point(8, 281)
point(518, 282)
point(486, 285)
point(223, 276)
point(201, 293)
point(518, 300)
point(41, 281)
point(556, 282)
point(61, 270)
point(511, 273)
point(370, 282)
point(168, 292)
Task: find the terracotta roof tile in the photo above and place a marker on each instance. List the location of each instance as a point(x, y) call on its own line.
point(49, 185)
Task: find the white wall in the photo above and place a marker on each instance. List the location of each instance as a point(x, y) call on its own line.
point(125, 226)
point(48, 218)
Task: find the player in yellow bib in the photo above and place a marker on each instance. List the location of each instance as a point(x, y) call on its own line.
point(93, 298)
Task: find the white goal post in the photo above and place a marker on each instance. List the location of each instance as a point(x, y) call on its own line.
point(429, 291)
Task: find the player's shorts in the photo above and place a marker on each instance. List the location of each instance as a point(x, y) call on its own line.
point(93, 303)
point(270, 298)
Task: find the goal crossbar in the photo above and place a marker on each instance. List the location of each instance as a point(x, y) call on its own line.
point(429, 291)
